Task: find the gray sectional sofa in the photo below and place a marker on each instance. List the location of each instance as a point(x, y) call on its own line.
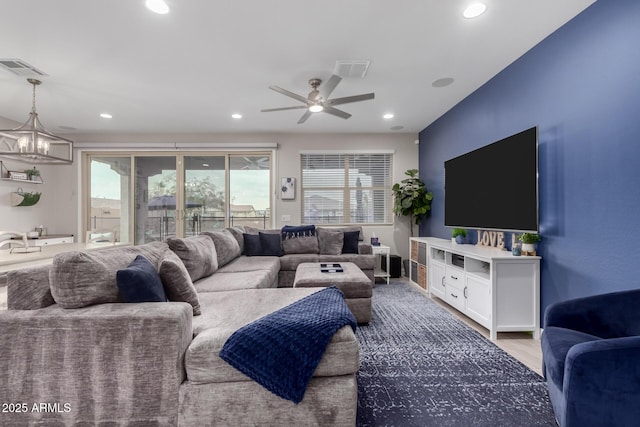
point(66, 340)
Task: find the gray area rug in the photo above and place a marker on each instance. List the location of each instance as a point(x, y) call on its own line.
point(421, 366)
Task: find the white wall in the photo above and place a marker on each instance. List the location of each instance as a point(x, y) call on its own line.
point(59, 208)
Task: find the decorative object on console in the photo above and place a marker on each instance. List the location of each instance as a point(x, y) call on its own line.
point(491, 238)
point(411, 198)
point(458, 235)
point(33, 143)
point(288, 189)
point(374, 240)
point(29, 175)
point(529, 241)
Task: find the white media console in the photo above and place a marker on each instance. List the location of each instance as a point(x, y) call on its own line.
point(491, 286)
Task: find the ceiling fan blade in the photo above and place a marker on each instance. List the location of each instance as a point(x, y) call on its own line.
point(347, 99)
point(336, 112)
point(289, 94)
point(266, 110)
point(329, 86)
point(305, 116)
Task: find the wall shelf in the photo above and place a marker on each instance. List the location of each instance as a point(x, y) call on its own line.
point(5, 175)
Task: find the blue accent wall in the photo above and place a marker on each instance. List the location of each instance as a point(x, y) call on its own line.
point(581, 87)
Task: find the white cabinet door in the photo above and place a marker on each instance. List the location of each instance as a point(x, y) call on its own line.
point(478, 300)
point(437, 285)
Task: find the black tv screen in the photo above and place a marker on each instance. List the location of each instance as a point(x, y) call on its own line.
point(494, 187)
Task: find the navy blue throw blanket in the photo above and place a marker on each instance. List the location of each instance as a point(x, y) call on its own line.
point(281, 350)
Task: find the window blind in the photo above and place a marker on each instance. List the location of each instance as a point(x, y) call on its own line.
point(346, 188)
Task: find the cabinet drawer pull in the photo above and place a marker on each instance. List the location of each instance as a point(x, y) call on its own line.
point(454, 295)
point(465, 292)
point(442, 281)
point(454, 277)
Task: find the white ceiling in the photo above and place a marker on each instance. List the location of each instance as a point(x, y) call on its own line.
point(189, 70)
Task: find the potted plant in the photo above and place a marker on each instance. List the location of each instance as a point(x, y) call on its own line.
point(411, 198)
point(32, 173)
point(458, 235)
point(529, 241)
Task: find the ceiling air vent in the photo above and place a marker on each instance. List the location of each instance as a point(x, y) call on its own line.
point(21, 68)
point(351, 68)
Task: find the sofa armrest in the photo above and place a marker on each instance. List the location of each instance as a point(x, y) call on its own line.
point(105, 362)
point(602, 383)
point(365, 248)
point(609, 315)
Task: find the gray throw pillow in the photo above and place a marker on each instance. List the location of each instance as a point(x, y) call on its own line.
point(197, 253)
point(176, 281)
point(227, 246)
point(329, 241)
point(238, 232)
point(78, 279)
point(301, 245)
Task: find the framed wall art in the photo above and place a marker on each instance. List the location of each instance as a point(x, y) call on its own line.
point(288, 189)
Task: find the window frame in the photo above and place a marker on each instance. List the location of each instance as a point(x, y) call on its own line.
point(345, 160)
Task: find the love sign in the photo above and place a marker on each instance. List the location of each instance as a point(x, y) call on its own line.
point(493, 239)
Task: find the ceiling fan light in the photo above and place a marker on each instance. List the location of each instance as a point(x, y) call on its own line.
point(316, 108)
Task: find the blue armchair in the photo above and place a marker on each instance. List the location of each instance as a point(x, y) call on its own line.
point(591, 359)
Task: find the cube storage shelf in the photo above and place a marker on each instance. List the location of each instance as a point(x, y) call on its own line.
point(491, 286)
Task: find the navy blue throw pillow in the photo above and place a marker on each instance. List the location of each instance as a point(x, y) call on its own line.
point(350, 242)
point(140, 282)
point(271, 244)
point(293, 231)
point(252, 245)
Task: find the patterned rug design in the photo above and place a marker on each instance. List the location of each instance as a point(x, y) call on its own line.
point(421, 366)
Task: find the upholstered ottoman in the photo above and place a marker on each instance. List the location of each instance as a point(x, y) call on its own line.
point(354, 284)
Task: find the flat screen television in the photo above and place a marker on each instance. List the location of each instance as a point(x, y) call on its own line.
point(494, 187)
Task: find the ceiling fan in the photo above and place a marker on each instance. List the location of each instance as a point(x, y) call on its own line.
point(318, 99)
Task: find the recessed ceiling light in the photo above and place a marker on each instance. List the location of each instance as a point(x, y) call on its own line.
point(157, 6)
point(474, 10)
point(106, 116)
point(236, 116)
point(445, 81)
point(387, 116)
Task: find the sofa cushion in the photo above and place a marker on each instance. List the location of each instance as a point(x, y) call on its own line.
point(345, 229)
point(28, 288)
point(197, 253)
point(140, 282)
point(350, 242)
point(330, 241)
point(79, 279)
point(237, 233)
point(225, 312)
point(292, 231)
point(556, 343)
point(177, 282)
point(262, 244)
point(255, 279)
point(301, 245)
point(227, 247)
point(244, 263)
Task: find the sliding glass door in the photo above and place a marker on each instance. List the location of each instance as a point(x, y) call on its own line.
point(204, 190)
point(177, 195)
point(156, 198)
point(108, 206)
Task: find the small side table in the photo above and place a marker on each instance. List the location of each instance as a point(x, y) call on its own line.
point(385, 251)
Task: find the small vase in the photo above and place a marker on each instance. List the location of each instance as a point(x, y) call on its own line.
point(453, 241)
point(459, 240)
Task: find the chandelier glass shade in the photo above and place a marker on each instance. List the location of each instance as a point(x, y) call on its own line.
point(33, 143)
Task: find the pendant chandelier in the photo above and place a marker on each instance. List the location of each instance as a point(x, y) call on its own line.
point(33, 143)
